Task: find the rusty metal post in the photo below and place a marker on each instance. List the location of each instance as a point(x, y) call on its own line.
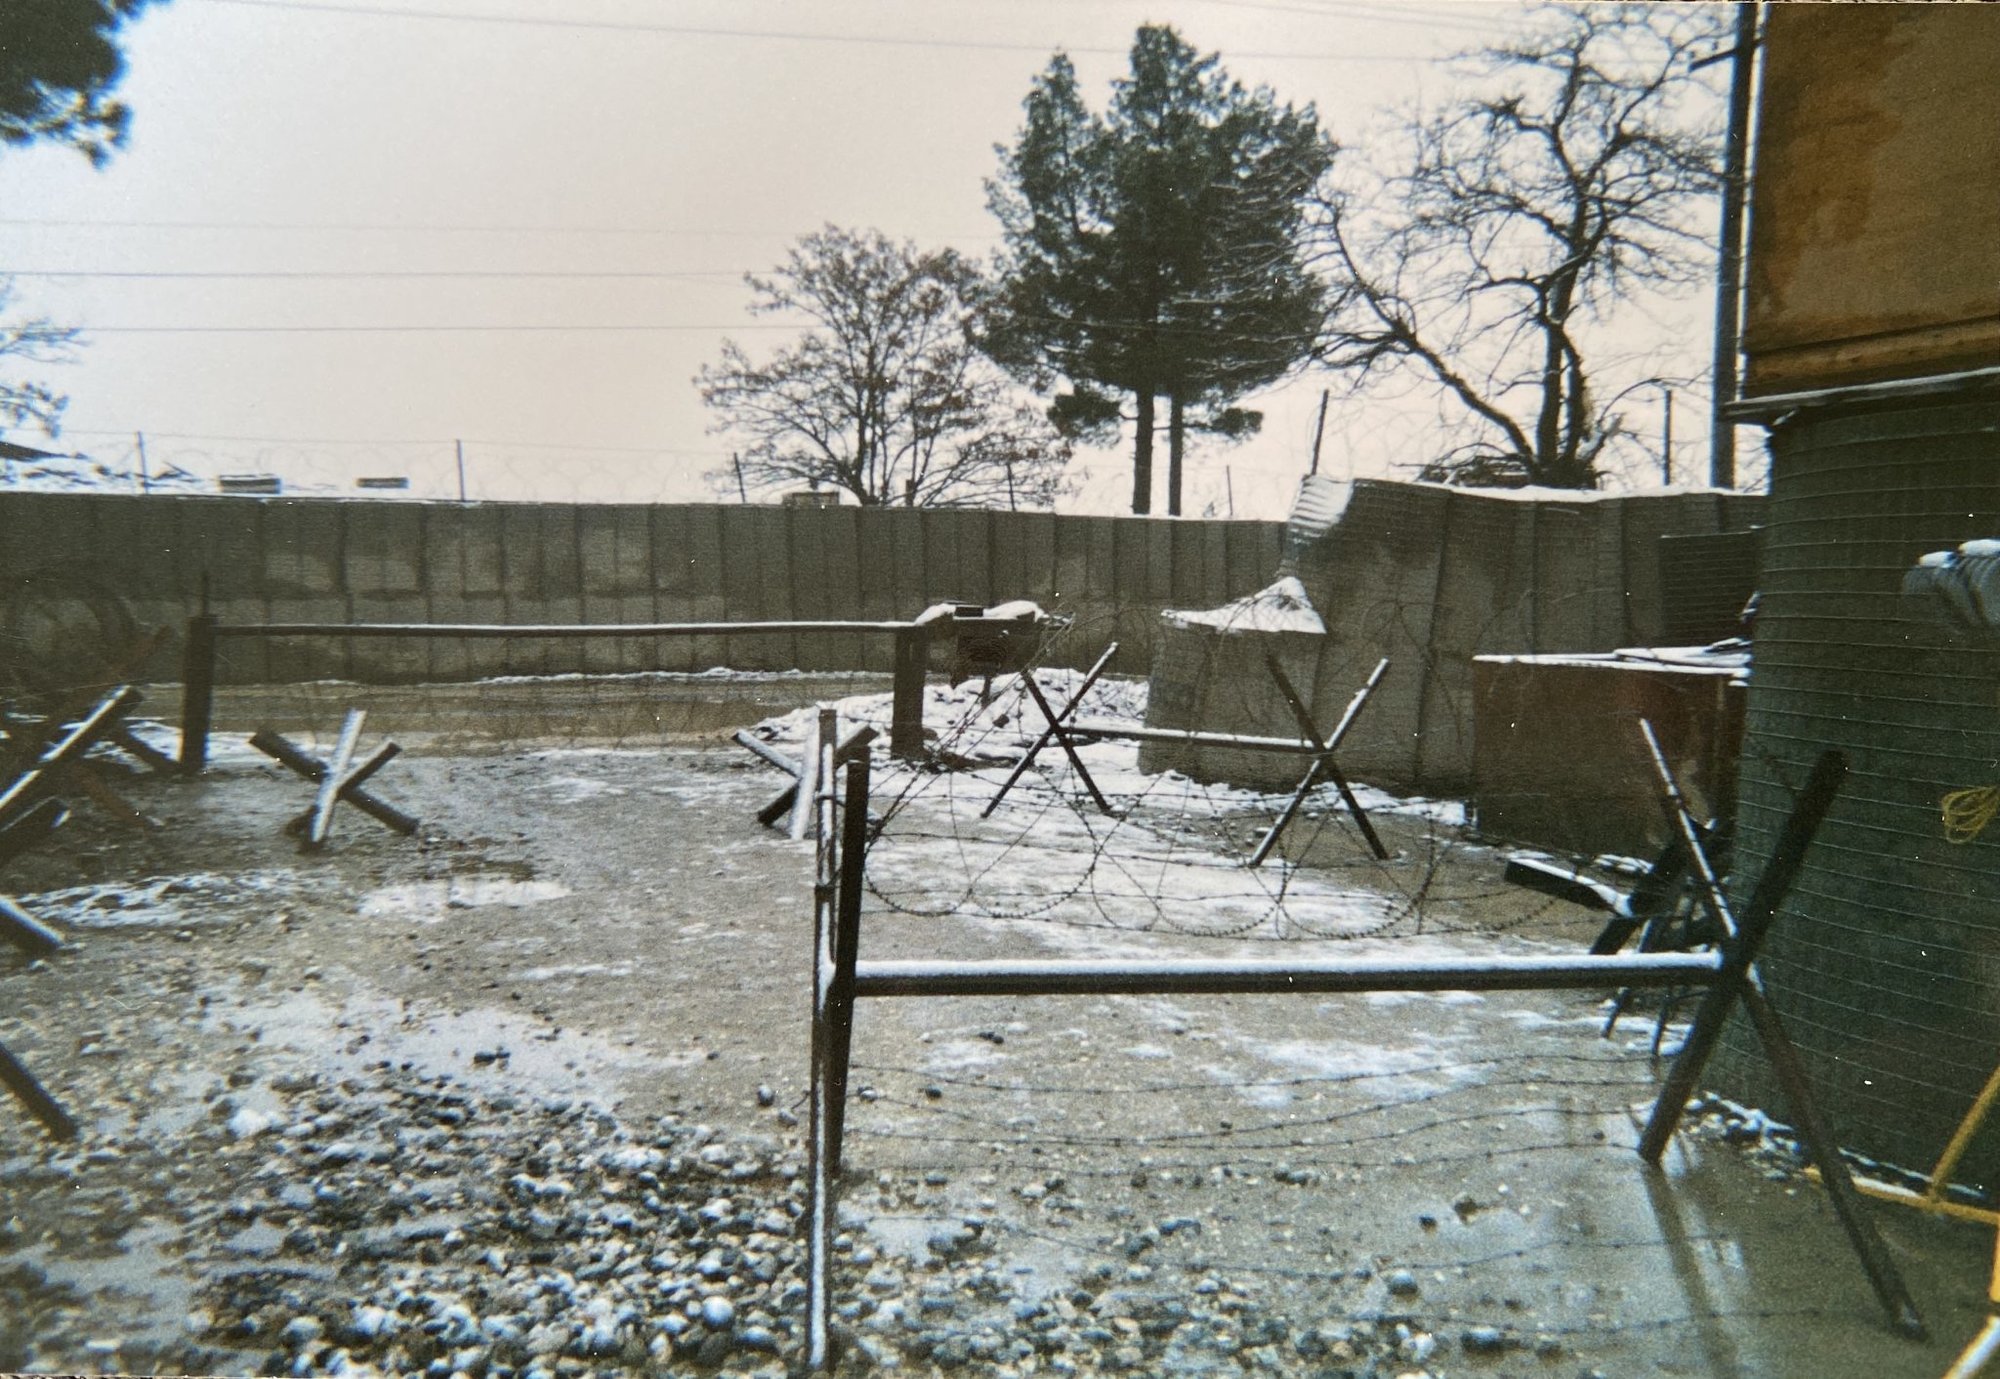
point(906, 722)
point(197, 692)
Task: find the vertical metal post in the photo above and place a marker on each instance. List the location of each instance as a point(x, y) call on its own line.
point(817, 782)
point(197, 692)
point(846, 952)
point(906, 722)
point(1729, 262)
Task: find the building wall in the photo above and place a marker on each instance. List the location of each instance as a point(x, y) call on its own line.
point(1875, 202)
point(328, 560)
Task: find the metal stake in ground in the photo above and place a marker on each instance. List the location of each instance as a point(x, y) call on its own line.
point(1740, 978)
point(1323, 762)
point(1055, 730)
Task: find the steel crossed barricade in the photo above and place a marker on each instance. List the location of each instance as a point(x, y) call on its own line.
point(1728, 974)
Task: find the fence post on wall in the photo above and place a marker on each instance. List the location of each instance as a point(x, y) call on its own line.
point(906, 720)
point(197, 692)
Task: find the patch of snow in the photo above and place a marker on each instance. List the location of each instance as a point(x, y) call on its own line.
point(1280, 607)
point(577, 789)
point(169, 901)
point(429, 901)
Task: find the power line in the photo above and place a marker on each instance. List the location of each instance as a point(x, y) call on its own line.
point(378, 444)
point(720, 273)
point(784, 35)
point(402, 329)
point(1434, 17)
point(390, 227)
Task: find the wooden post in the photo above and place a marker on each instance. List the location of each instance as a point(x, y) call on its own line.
point(906, 722)
point(197, 692)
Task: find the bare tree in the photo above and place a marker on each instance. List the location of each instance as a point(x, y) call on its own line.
point(1570, 179)
point(24, 402)
point(884, 394)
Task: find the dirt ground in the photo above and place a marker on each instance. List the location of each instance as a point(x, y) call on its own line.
point(520, 1096)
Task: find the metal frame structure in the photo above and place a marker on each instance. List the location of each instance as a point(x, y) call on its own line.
point(1728, 974)
point(205, 633)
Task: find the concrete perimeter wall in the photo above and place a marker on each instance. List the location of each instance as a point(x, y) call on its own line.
point(333, 560)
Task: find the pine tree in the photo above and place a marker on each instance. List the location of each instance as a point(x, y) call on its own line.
point(1155, 250)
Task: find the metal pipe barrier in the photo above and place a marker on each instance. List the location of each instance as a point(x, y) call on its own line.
point(1728, 975)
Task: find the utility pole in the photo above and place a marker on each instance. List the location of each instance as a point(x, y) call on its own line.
point(145, 482)
point(1319, 430)
point(1666, 436)
point(459, 446)
point(1011, 506)
point(1729, 262)
point(1229, 487)
point(742, 490)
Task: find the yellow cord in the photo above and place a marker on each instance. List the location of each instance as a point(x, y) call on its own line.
point(1967, 812)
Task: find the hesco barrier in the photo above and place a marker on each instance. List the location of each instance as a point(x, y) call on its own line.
point(1887, 965)
point(322, 560)
point(1431, 577)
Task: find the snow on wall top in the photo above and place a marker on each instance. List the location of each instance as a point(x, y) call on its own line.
point(1280, 607)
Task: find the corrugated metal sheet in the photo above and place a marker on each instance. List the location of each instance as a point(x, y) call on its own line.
point(1885, 963)
point(1320, 503)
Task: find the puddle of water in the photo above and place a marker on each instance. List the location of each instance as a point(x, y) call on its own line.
point(518, 1055)
point(139, 1269)
point(430, 901)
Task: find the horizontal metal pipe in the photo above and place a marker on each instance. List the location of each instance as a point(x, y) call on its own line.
point(1098, 727)
point(1222, 977)
point(592, 629)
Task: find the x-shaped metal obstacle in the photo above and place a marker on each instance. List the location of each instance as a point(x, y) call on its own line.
point(340, 781)
point(1323, 763)
point(1068, 731)
point(1739, 981)
point(1055, 730)
point(1728, 974)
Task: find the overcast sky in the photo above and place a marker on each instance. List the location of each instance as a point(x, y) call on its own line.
point(457, 170)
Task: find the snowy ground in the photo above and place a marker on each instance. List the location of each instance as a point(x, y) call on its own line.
point(518, 1098)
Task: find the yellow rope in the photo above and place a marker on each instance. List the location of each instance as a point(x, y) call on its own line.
point(1967, 812)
